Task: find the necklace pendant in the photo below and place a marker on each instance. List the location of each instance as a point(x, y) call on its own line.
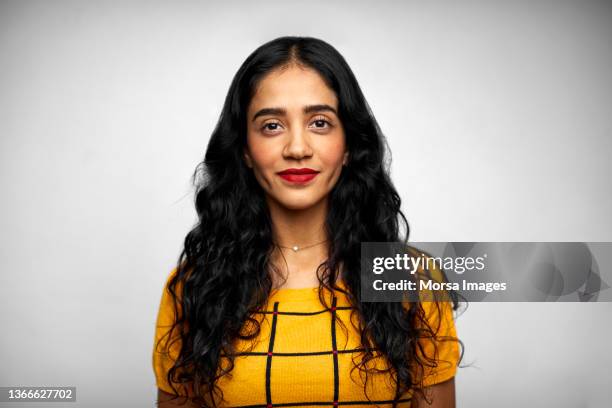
point(295, 248)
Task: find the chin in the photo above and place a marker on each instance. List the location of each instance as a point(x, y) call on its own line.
point(297, 202)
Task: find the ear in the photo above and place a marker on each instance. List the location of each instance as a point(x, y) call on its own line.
point(345, 159)
point(247, 158)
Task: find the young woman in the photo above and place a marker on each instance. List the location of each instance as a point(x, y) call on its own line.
point(263, 308)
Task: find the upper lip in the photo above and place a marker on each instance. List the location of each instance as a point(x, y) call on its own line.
point(304, 170)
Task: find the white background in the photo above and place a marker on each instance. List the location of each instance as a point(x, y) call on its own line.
point(498, 115)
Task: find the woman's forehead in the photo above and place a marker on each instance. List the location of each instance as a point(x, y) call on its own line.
point(292, 88)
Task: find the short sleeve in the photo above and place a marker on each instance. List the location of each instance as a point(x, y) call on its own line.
point(443, 346)
point(165, 348)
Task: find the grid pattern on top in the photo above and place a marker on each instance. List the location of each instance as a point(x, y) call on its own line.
point(270, 354)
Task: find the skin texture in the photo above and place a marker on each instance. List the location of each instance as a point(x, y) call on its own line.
point(295, 139)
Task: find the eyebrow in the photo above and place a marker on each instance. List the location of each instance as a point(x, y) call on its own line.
point(283, 111)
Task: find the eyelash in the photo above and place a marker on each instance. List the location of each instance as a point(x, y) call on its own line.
point(321, 119)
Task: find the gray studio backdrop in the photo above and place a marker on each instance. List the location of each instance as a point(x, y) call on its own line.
point(498, 115)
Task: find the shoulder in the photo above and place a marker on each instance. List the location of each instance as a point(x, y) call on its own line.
point(439, 341)
point(170, 302)
point(174, 283)
point(167, 341)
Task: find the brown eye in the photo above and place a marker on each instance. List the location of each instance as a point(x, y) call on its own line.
point(319, 123)
point(271, 126)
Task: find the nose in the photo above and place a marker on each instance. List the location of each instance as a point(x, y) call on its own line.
point(298, 145)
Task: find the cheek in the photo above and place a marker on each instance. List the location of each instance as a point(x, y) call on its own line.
point(332, 151)
point(263, 154)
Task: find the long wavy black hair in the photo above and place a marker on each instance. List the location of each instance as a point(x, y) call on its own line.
point(223, 271)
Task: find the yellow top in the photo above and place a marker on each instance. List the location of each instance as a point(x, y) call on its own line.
point(304, 355)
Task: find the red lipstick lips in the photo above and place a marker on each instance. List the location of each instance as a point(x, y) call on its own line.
point(298, 176)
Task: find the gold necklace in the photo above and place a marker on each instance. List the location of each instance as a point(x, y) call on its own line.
point(296, 248)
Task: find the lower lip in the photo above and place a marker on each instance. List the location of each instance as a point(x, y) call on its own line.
point(298, 178)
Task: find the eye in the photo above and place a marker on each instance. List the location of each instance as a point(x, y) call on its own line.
point(270, 126)
point(320, 122)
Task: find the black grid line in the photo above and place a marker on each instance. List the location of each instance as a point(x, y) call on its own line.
point(335, 351)
point(269, 362)
point(302, 313)
point(325, 403)
point(300, 353)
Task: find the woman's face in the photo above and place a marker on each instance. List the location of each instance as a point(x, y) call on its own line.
point(293, 127)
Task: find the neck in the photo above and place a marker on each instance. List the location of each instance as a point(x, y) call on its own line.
point(301, 228)
point(298, 227)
